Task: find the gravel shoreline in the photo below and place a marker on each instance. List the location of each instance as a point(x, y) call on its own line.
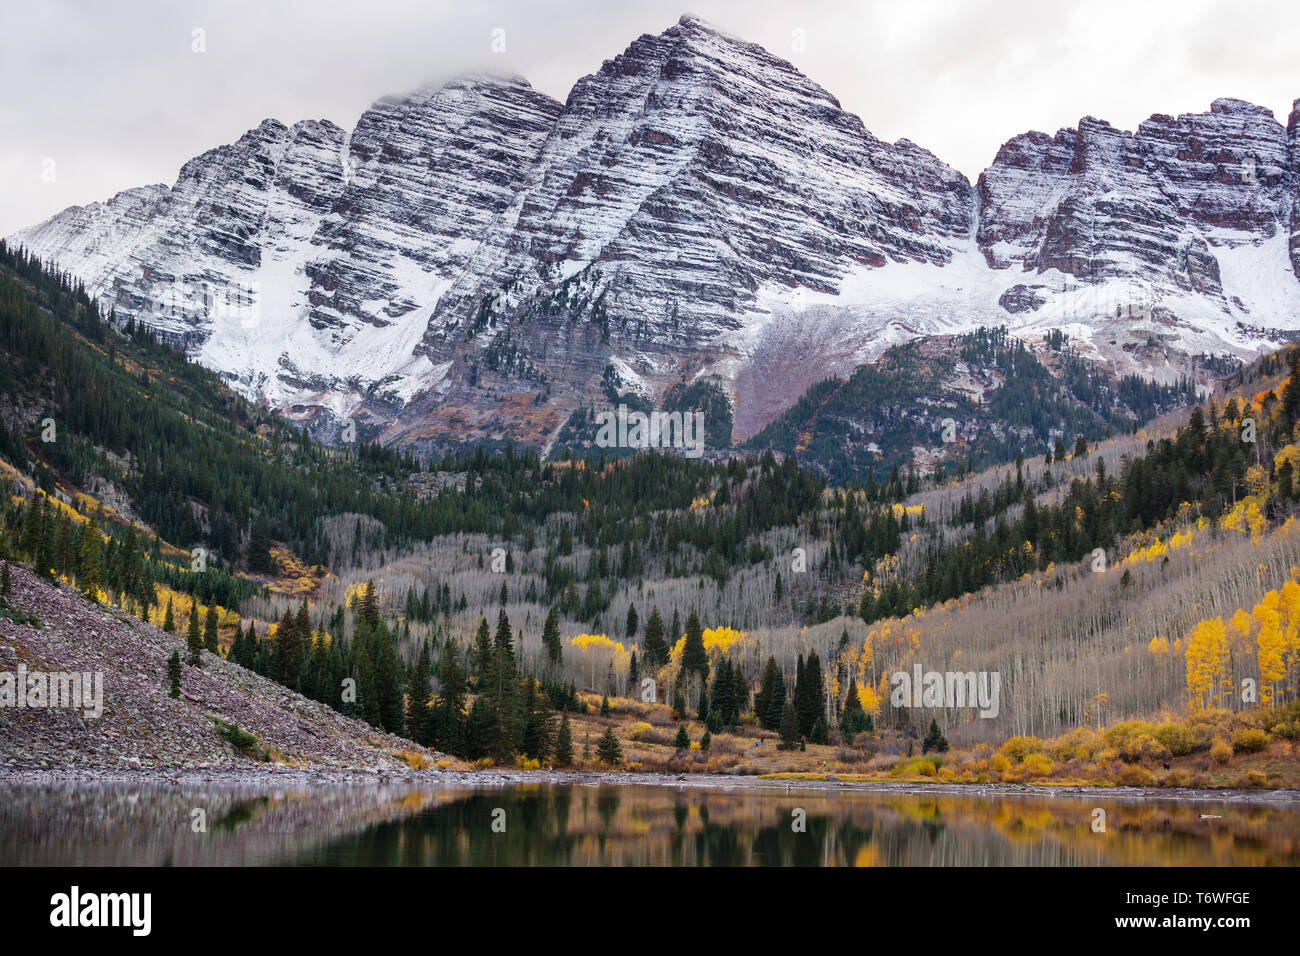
point(280, 776)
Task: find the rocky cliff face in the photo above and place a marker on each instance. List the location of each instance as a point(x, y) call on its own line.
point(1097, 203)
point(474, 260)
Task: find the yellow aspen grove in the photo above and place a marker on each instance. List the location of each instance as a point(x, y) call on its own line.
point(1241, 649)
point(1207, 662)
point(1271, 643)
point(1290, 601)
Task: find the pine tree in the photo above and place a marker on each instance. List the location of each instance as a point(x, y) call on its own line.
point(90, 567)
point(481, 654)
point(250, 648)
point(6, 584)
point(236, 651)
point(722, 702)
point(739, 693)
point(388, 679)
point(551, 638)
point(564, 743)
point(632, 622)
point(539, 723)
point(789, 727)
point(169, 620)
point(853, 718)
point(656, 648)
point(449, 713)
point(259, 547)
point(504, 636)
point(367, 606)
point(808, 694)
point(695, 659)
point(934, 740)
point(174, 673)
point(417, 699)
point(193, 637)
point(770, 699)
point(604, 706)
point(683, 741)
point(608, 749)
point(495, 717)
point(821, 731)
point(210, 642)
point(285, 656)
point(33, 527)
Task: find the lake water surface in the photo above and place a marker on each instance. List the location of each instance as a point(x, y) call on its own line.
point(616, 824)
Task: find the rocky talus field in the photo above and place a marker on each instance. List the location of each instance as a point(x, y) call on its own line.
point(142, 726)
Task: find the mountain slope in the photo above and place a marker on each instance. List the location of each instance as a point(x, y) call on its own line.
point(467, 262)
point(141, 725)
point(963, 401)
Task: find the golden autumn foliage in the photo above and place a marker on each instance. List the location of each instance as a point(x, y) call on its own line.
point(1213, 647)
point(717, 641)
point(1207, 662)
point(587, 641)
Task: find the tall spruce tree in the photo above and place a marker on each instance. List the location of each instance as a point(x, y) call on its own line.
point(90, 570)
point(449, 720)
point(564, 742)
point(174, 673)
point(417, 699)
point(770, 699)
point(210, 642)
point(790, 737)
point(194, 637)
point(656, 647)
point(808, 695)
point(551, 639)
point(853, 718)
point(608, 748)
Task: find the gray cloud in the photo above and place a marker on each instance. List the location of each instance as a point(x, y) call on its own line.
point(115, 96)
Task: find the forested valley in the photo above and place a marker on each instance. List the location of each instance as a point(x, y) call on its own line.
point(1126, 572)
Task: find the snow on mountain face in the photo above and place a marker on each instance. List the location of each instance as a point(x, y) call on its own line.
point(303, 263)
point(427, 174)
point(682, 177)
point(691, 169)
point(1171, 234)
point(469, 259)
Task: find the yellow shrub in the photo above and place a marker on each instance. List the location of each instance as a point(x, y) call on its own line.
point(1175, 738)
point(1249, 740)
point(638, 730)
point(1142, 747)
point(1220, 751)
point(1134, 775)
point(1081, 743)
point(1038, 765)
point(1018, 748)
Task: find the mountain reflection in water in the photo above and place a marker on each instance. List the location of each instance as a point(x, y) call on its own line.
point(624, 825)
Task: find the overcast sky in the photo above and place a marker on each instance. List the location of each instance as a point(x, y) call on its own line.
point(114, 94)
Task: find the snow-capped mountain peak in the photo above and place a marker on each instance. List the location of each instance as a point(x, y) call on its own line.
point(470, 258)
